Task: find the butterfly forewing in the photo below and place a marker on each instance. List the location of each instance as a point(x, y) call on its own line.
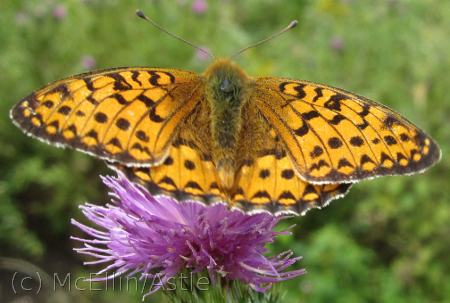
point(334, 136)
point(128, 115)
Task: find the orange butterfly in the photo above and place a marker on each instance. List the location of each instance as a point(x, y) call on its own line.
point(258, 144)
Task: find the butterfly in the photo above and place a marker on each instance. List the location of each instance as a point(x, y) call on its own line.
point(269, 144)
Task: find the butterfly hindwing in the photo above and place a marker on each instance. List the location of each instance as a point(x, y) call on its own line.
point(185, 174)
point(127, 115)
point(271, 184)
point(334, 136)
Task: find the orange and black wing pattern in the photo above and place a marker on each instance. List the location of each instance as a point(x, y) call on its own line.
point(125, 115)
point(333, 136)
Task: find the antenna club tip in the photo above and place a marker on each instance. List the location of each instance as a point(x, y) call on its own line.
point(293, 24)
point(140, 13)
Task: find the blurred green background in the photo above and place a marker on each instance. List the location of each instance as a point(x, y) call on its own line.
point(388, 240)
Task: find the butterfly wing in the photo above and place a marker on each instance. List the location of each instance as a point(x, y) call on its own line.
point(125, 115)
point(333, 136)
point(188, 173)
point(269, 183)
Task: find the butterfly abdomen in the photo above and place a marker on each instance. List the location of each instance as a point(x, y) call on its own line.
point(227, 94)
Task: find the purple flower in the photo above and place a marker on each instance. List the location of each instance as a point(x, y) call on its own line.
point(199, 6)
point(144, 233)
point(60, 12)
point(337, 43)
point(202, 55)
point(88, 62)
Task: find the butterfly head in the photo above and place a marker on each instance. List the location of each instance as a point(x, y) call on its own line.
point(226, 80)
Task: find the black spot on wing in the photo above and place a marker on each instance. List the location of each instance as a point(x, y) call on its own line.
point(188, 164)
point(54, 124)
point(317, 151)
point(287, 174)
point(286, 195)
point(318, 165)
point(146, 100)
point(365, 111)
point(404, 137)
point(264, 174)
point(142, 136)
point(100, 117)
point(168, 161)
point(334, 143)
point(120, 83)
point(120, 99)
point(154, 116)
point(366, 159)
point(357, 141)
point(49, 104)
point(193, 184)
point(334, 103)
point(301, 131)
point(344, 163)
point(167, 180)
point(92, 100)
point(336, 119)
point(318, 95)
point(123, 124)
point(141, 148)
point(390, 121)
point(262, 194)
point(64, 110)
point(115, 142)
point(390, 140)
point(310, 115)
point(363, 125)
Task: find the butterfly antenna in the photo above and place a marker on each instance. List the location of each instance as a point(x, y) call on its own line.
point(143, 16)
point(293, 24)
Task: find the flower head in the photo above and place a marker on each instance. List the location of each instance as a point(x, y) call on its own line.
point(60, 12)
point(199, 6)
point(144, 233)
point(88, 62)
point(337, 43)
point(202, 55)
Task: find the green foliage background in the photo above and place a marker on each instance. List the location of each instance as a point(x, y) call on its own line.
point(386, 241)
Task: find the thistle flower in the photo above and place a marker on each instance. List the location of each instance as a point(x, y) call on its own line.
point(145, 233)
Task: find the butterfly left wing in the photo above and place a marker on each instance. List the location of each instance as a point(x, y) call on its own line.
point(334, 136)
point(187, 174)
point(125, 115)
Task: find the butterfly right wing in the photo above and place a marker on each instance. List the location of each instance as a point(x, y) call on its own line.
point(334, 136)
point(268, 182)
point(125, 115)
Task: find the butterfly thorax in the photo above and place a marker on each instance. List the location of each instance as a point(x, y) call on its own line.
point(227, 94)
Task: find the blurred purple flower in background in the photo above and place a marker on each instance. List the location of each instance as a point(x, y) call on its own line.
point(60, 12)
point(88, 62)
point(202, 55)
point(144, 233)
point(337, 43)
point(199, 6)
